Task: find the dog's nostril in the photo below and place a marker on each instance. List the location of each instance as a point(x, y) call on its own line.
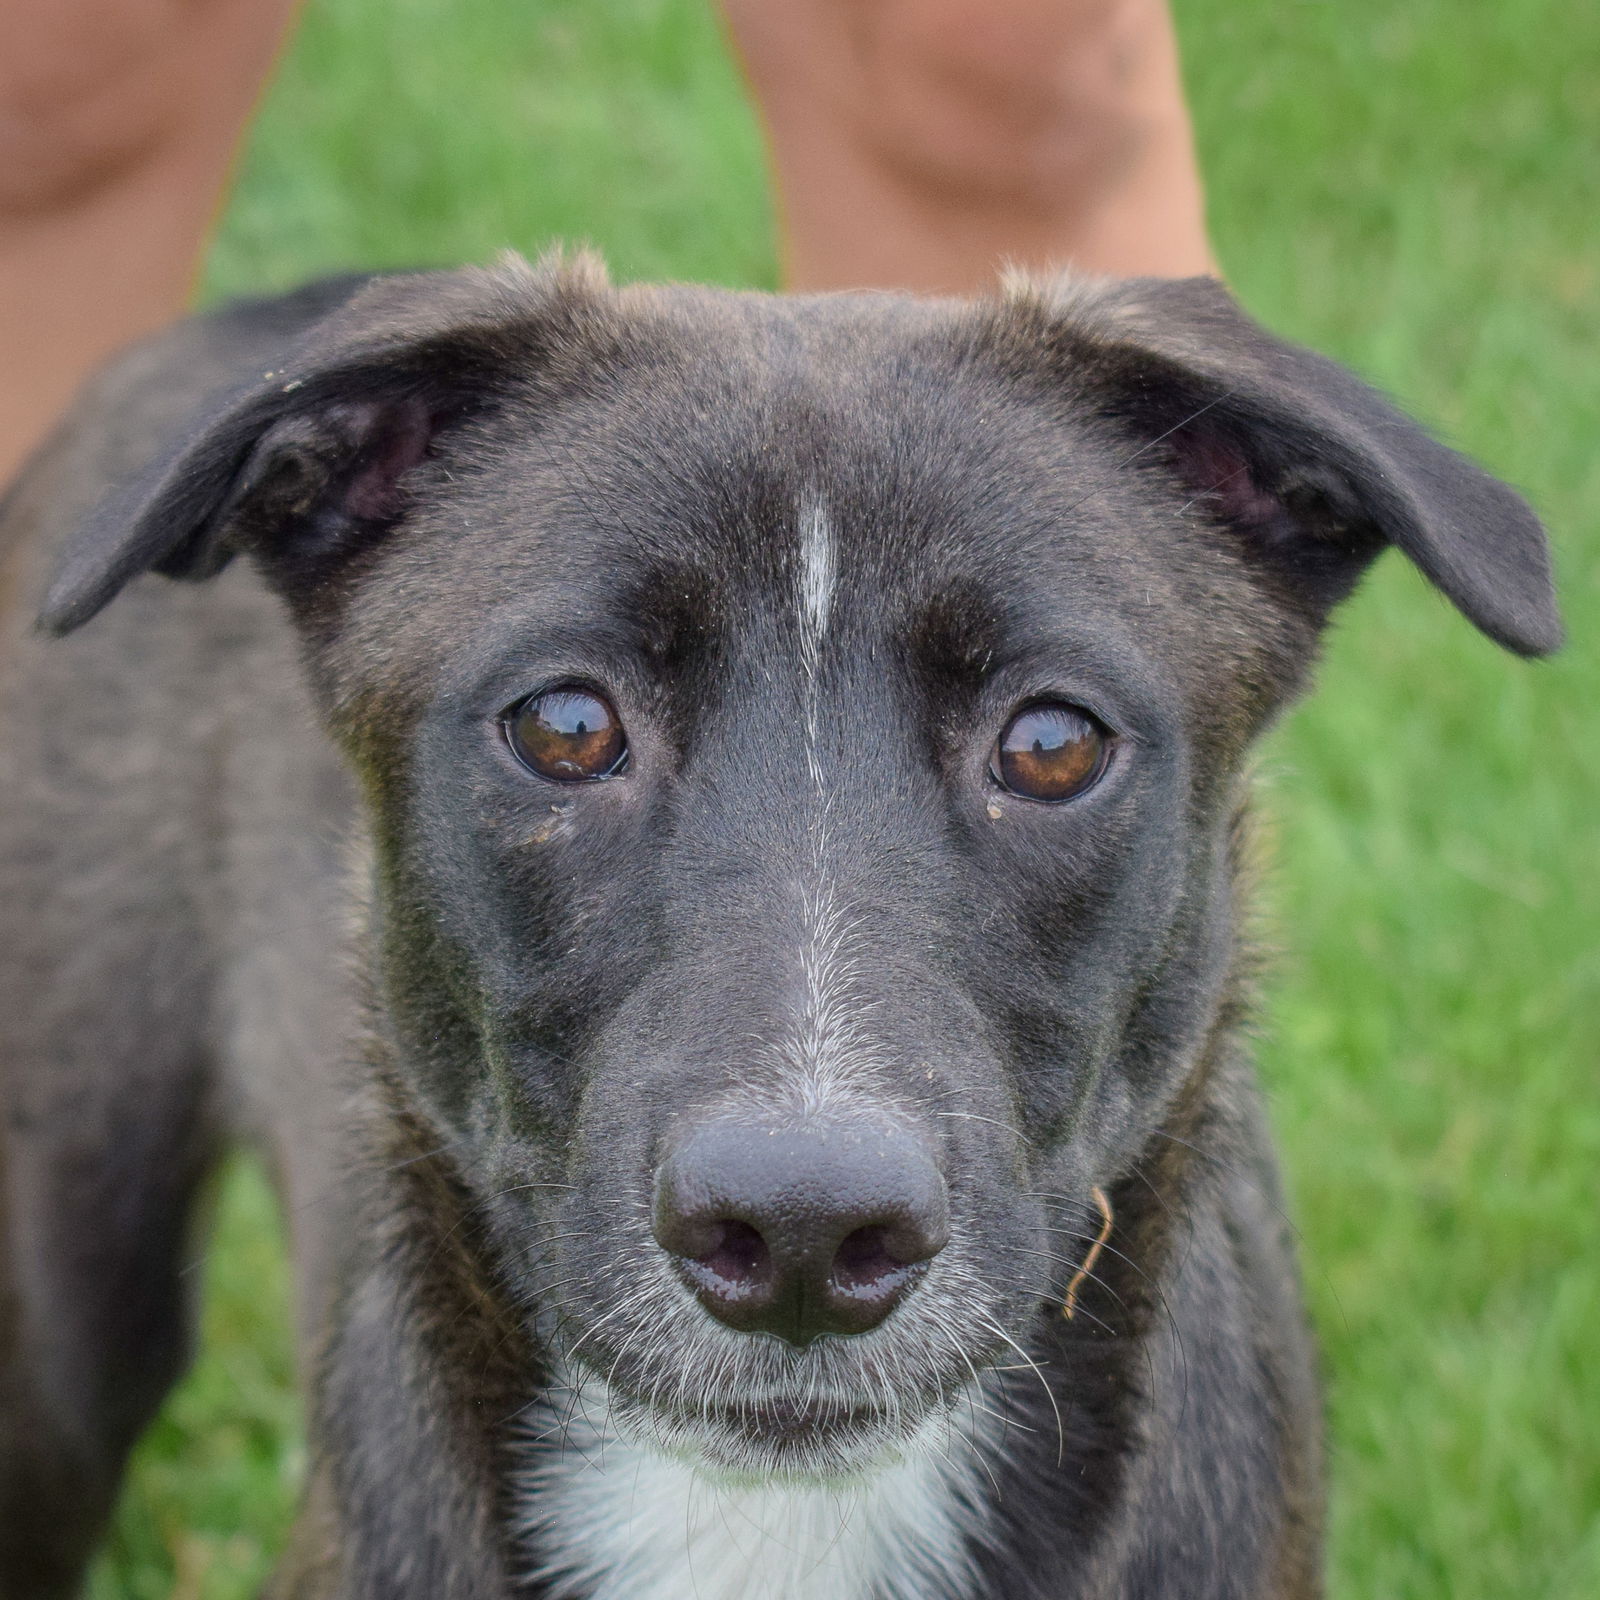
point(865, 1265)
point(738, 1260)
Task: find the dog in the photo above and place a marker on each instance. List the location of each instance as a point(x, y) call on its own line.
point(708, 842)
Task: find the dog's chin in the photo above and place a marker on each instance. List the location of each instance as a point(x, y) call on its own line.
point(778, 1438)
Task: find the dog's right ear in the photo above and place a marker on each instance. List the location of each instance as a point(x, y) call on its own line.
point(305, 463)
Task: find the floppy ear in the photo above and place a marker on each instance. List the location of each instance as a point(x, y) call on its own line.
point(1313, 470)
point(304, 463)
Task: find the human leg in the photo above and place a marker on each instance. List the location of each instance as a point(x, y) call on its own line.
point(921, 143)
point(119, 120)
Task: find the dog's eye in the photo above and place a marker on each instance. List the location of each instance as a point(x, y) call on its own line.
point(568, 734)
point(1050, 751)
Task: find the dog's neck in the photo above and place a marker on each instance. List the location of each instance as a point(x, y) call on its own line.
point(604, 1517)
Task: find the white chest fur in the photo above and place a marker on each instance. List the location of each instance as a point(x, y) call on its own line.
point(619, 1521)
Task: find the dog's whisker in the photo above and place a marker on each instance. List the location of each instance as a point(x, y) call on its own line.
point(1071, 1263)
point(986, 1321)
point(972, 1116)
point(1180, 1342)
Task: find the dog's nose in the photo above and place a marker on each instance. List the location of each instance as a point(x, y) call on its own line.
point(801, 1229)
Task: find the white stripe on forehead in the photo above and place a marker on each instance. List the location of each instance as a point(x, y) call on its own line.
point(817, 575)
point(826, 1041)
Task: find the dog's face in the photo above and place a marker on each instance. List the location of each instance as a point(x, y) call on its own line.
point(803, 742)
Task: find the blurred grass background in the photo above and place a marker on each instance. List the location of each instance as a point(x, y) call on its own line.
point(1413, 189)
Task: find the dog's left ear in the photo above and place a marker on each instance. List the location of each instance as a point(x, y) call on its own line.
point(305, 463)
point(1312, 470)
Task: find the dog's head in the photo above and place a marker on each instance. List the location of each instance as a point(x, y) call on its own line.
point(801, 741)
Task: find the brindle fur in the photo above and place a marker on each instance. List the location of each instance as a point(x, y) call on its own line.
point(428, 992)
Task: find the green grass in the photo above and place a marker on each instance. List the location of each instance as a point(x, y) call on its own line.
point(1410, 188)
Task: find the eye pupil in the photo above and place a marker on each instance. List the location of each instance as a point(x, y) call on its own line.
point(569, 735)
point(1051, 751)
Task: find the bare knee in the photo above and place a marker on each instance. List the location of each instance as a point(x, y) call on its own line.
point(1010, 101)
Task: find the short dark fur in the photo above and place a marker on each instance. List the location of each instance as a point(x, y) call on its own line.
point(458, 487)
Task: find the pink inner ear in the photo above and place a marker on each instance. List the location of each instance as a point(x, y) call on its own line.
point(397, 436)
point(1221, 476)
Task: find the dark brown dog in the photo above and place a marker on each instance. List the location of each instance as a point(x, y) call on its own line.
point(743, 996)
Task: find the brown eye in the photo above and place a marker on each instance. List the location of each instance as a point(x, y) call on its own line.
point(569, 735)
point(1050, 752)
